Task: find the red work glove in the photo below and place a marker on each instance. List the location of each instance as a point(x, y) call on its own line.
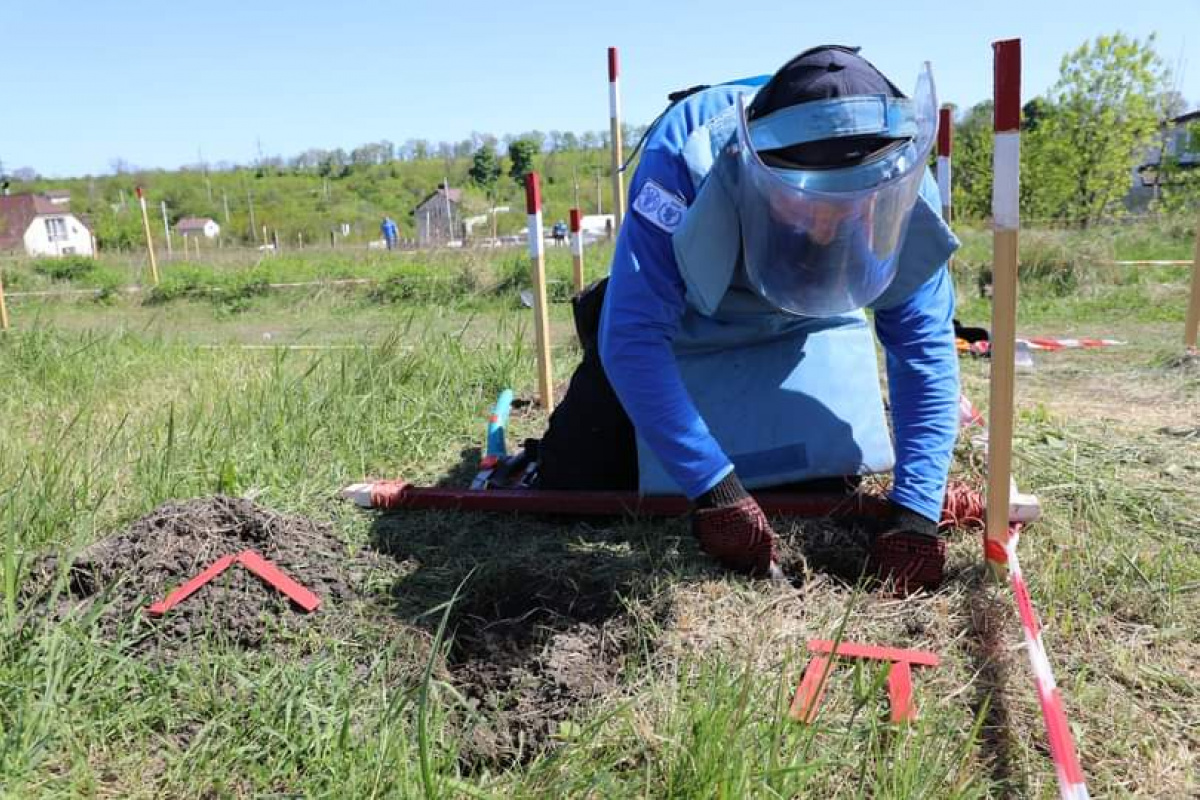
point(733, 529)
point(911, 552)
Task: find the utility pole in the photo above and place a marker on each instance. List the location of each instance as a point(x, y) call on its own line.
point(250, 205)
point(225, 201)
point(449, 211)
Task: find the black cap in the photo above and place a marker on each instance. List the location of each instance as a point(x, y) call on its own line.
point(817, 74)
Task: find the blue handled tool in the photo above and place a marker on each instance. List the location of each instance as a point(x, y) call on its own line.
point(495, 448)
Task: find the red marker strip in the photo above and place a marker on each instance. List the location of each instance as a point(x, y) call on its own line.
point(613, 66)
point(923, 658)
point(533, 193)
point(1007, 74)
point(945, 132)
point(278, 580)
point(900, 692)
point(811, 690)
point(576, 221)
point(188, 589)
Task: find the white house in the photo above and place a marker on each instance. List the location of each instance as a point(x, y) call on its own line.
point(198, 226)
point(41, 227)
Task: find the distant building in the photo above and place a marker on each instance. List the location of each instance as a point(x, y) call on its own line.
point(198, 226)
point(1174, 144)
point(438, 217)
point(60, 197)
point(39, 226)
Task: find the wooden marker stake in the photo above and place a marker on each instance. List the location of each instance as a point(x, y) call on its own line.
point(945, 141)
point(3, 305)
point(1006, 220)
point(1193, 313)
point(166, 228)
point(149, 240)
point(577, 247)
point(618, 154)
point(533, 209)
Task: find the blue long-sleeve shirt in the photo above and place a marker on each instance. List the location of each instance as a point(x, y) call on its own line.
point(646, 300)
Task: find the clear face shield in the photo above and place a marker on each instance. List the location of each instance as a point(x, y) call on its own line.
point(823, 242)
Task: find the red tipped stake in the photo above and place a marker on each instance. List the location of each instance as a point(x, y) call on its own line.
point(533, 193)
point(945, 132)
point(1008, 84)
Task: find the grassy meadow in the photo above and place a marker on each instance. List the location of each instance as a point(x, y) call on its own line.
point(116, 402)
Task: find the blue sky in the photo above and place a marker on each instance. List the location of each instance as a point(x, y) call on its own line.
point(86, 81)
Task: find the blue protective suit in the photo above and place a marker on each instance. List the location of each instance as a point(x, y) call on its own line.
point(647, 300)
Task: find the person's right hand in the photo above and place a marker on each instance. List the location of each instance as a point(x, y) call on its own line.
point(732, 528)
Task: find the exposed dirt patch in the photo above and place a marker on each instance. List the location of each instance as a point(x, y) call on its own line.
point(542, 628)
point(836, 547)
point(143, 563)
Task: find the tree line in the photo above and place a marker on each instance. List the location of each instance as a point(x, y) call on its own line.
point(1081, 145)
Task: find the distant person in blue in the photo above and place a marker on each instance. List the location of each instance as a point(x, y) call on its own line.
point(559, 233)
point(730, 348)
point(391, 233)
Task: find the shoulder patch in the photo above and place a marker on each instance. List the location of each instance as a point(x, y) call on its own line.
point(661, 208)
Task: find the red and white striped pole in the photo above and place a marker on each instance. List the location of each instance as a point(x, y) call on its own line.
point(945, 141)
point(537, 255)
point(577, 247)
point(614, 121)
point(1006, 220)
point(1001, 538)
point(149, 240)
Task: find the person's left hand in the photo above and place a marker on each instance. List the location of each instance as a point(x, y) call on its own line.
point(911, 552)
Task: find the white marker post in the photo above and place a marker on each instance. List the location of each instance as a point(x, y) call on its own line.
point(577, 247)
point(1006, 215)
point(614, 121)
point(149, 240)
point(945, 141)
point(537, 254)
point(1193, 314)
point(166, 227)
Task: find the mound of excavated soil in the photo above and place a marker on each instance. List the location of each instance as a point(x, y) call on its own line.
point(140, 565)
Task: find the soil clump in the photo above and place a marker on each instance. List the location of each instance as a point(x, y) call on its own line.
point(141, 564)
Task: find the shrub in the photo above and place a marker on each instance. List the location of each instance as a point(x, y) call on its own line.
point(65, 268)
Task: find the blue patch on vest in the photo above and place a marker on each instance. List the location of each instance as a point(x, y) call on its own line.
point(765, 463)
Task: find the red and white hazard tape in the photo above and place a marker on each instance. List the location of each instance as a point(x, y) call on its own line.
point(1045, 343)
point(1071, 785)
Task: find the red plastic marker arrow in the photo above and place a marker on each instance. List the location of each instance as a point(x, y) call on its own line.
point(184, 592)
point(922, 657)
point(275, 576)
point(900, 692)
point(811, 690)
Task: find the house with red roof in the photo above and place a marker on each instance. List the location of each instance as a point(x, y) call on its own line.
point(39, 226)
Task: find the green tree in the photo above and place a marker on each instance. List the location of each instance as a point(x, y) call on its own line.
point(485, 168)
point(973, 163)
point(1104, 116)
point(521, 152)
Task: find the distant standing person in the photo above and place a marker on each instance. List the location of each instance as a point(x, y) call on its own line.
point(559, 232)
point(390, 232)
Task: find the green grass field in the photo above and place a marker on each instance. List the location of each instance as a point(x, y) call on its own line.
point(489, 655)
